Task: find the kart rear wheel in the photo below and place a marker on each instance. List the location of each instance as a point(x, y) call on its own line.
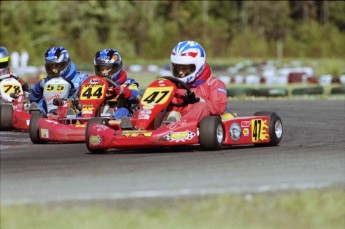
point(275, 128)
point(211, 133)
point(6, 116)
point(33, 128)
point(102, 121)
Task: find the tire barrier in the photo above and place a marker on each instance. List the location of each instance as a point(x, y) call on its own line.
point(272, 92)
point(338, 90)
point(308, 91)
point(237, 92)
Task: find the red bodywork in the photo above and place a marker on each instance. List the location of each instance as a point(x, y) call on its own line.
point(157, 97)
point(59, 128)
point(20, 116)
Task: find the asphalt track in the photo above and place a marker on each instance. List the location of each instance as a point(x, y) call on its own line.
point(311, 155)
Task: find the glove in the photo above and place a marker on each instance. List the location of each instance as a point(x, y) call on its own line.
point(192, 98)
point(76, 104)
point(125, 92)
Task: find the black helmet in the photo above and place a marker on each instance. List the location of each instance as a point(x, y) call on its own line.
point(108, 63)
point(57, 61)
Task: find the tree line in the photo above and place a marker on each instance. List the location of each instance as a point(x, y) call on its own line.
point(148, 30)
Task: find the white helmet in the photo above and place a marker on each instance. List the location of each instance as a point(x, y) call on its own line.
point(187, 61)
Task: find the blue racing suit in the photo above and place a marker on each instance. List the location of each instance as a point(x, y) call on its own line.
point(126, 106)
point(126, 103)
point(77, 78)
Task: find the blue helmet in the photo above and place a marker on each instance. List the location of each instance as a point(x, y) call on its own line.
point(4, 60)
point(57, 61)
point(188, 60)
point(108, 63)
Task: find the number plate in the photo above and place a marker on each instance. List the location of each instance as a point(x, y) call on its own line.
point(157, 95)
point(11, 88)
point(90, 91)
point(259, 130)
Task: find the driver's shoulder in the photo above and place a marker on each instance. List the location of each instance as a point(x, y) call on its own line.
point(81, 76)
point(215, 82)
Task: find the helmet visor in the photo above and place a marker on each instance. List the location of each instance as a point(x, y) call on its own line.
point(55, 69)
point(3, 64)
point(181, 70)
point(107, 70)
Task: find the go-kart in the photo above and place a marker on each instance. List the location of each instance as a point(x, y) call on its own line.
point(67, 121)
point(14, 105)
point(150, 129)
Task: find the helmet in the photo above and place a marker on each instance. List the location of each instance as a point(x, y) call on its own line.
point(187, 61)
point(4, 60)
point(108, 63)
point(57, 61)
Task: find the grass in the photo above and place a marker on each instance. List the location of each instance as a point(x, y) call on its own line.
point(293, 209)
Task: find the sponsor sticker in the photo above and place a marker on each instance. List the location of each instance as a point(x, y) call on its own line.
point(44, 133)
point(136, 133)
point(245, 123)
point(94, 81)
point(148, 106)
point(53, 97)
point(245, 131)
point(235, 131)
point(95, 139)
point(143, 116)
point(87, 109)
point(145, 112)
point(179, 136)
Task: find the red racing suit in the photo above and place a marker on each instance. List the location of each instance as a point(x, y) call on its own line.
point(212, 94)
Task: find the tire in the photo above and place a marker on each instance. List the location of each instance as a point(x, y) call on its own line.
point(236, 92)
point(240, 92)
point(33, 128)
point(275, 128)
point(211, 133)
point(338, 90)
point(94, 121)
point(308, 91)
point(272, 92)
point(6, 116)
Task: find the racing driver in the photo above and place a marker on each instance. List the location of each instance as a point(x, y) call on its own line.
point(188, 64)
point(108, 63)
point(57, 63)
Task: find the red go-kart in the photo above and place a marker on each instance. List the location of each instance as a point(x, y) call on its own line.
point(151, 130)
point(65, 126)
point(14, 105)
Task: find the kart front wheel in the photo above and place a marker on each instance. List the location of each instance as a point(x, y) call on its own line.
point(102, 121)
point(33, 128)
point(275, 128)
point(211, 133)
point(6, 116)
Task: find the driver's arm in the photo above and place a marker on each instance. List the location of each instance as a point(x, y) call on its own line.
point(215, 96)
point(36, 93)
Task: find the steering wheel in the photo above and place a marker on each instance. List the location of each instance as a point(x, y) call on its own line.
point(70, 82)
point(181, 85)
point(110, 81)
